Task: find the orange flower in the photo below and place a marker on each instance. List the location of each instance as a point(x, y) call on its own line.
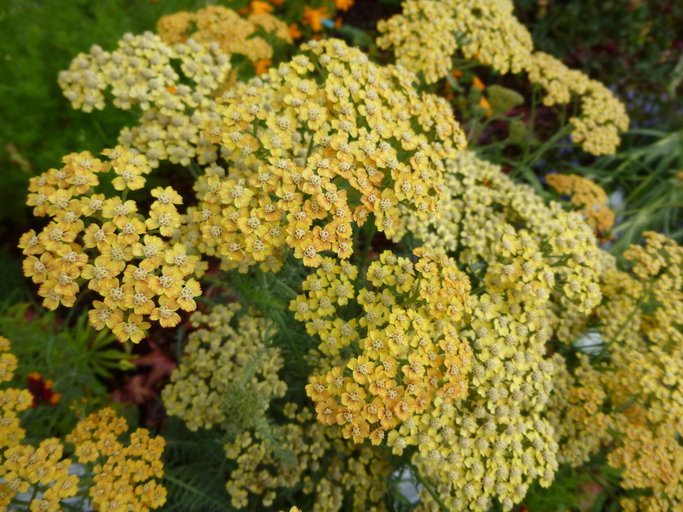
point(314, 17)
point(262, 66)
point(258, 7)
point(294, 31)
point(41, 390)
point(478, 83)
point(483, 103)
point(343, 5)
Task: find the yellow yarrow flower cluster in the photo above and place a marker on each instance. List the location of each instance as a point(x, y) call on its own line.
point(576, 410)
point(26, 467)
point(586, 195)
point(224, 350)
point(481, 199)
point(337, 473)
point(117, 476)
point(633, 401)
point(407, 333)
point(427, 34)
point(641, 321)
point(322, 144)
point(497, 441)
point(124, 474)
point(23, 466)
point(173, 85)
point(224, 27)
point(123, 256)
point(652, 458)
point(602, 115)
point(12, 400)
point(641, 318)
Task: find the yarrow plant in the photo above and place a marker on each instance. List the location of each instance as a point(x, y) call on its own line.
point(635, 396)
point(227, 381)
point(115, 475)
point(101, 240)
point(379, 304)
point(488, 33)
point(587, 196)
point(233, 34)
point(410, 352)
point(321, 145)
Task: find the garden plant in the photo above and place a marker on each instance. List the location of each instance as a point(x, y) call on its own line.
point(338, 255)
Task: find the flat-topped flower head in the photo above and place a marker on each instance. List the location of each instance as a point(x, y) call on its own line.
point(407, 332)
point(315, 149)
point(104, 244)
point(427, 35)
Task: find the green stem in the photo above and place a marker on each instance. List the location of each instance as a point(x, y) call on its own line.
point(286, 288)
point(309, 150)
point(532, 121)
point(478, 133)
point(547, 144)
point(36, 489)
point(430, 490)
point(366, 248)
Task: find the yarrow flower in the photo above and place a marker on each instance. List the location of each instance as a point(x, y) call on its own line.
point(627, 403)
point(480, 200)
point(115, 475)
point(406, 329)
point(587, 196)
point(336, 473)
point(427, 34)
point(223, 350)
point(226, 380)
point(233, 34)
point(174, 86)
point(322, 144)
point(104, 242)
point(125, 475)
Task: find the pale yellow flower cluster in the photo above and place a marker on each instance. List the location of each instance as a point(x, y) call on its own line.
point(226, 379)
point(173, 85)
point(499, 441)
point(481, 199)
point(426, 36)
point(227, 355)
point(103, 241)
point(118, 476)
point(642, 320)
point(602, 115)
point(321, 145)
point(576, 410)
point(633, 401)
point(587, 196)
point(336, 472)
point(232, 33)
